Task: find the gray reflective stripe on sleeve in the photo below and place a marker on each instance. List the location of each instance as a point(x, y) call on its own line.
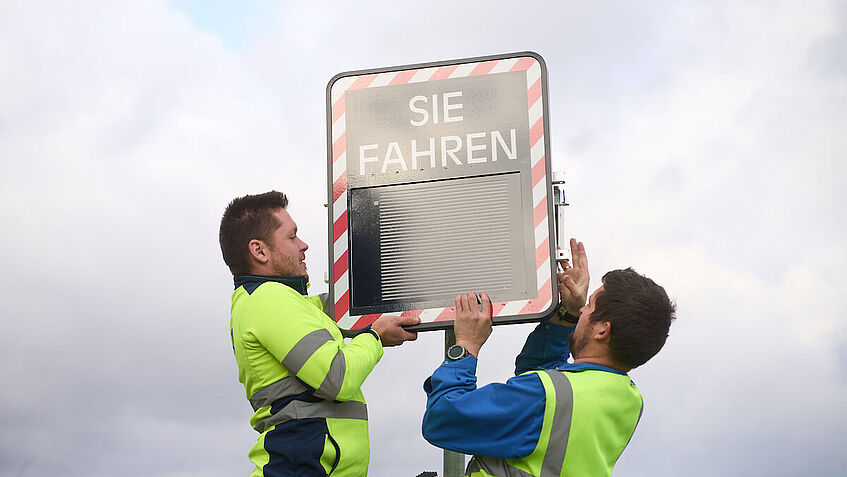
point(554, 457)
point(287, 386)
point(494, 466)
point(324, 297)
point(305, 348)
point(325, 409)
point(331, 385)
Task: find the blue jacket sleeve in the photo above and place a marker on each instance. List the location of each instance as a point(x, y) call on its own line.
point(545, 348)
point(498, 420)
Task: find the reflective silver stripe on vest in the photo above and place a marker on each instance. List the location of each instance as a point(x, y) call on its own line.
point(554, 456)
point(331, 385)
point(305, 348)
point(325, 409)
point(287, 386)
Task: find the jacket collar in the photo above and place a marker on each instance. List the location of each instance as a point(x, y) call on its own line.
point(252, 282)
point(586, 366)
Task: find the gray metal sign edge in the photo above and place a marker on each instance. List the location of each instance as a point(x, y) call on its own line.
point(442, 325)
point(431, 64)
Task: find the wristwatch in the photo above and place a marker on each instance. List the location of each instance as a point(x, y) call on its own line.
point(566, 316)
point(457, 352)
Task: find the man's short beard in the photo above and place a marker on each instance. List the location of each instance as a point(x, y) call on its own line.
point(576, 346)
point(288, 269)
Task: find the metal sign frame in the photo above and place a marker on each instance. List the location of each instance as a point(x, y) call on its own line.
point(438, 318)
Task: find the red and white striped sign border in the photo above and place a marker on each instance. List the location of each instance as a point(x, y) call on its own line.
point(539, 188)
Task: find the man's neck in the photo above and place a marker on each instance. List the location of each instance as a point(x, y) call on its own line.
point(602, 361)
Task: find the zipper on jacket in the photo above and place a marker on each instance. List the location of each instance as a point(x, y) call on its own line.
point(337, 453)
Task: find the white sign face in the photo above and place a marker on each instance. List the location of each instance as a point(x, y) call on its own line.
point(429, 130)
point(439, 185)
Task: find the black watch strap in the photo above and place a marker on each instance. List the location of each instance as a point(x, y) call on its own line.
point(570, 318)
point(567, 316)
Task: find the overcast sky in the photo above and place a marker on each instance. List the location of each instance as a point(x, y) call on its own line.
point(704, 144)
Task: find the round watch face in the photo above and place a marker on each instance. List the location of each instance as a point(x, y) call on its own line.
point(456, 352)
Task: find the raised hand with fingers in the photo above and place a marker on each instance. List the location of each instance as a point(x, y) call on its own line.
point(473, 321)
point(573, 280)
point(390, 329)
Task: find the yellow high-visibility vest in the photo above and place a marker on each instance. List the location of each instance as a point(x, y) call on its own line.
point(589, 418)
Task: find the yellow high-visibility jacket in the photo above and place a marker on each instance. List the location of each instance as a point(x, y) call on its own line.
point(303, 381)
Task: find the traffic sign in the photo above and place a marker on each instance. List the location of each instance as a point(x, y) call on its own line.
point(439, 184)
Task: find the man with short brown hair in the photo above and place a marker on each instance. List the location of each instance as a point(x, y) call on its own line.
point(300, 376)
point(554, 418)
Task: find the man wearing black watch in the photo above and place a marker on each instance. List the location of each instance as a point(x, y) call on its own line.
point(554, 417)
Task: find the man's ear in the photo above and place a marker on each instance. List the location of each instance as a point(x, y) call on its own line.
point(259, 251)
point(602, 330)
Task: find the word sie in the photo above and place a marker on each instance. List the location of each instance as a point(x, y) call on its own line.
point(444, 151)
